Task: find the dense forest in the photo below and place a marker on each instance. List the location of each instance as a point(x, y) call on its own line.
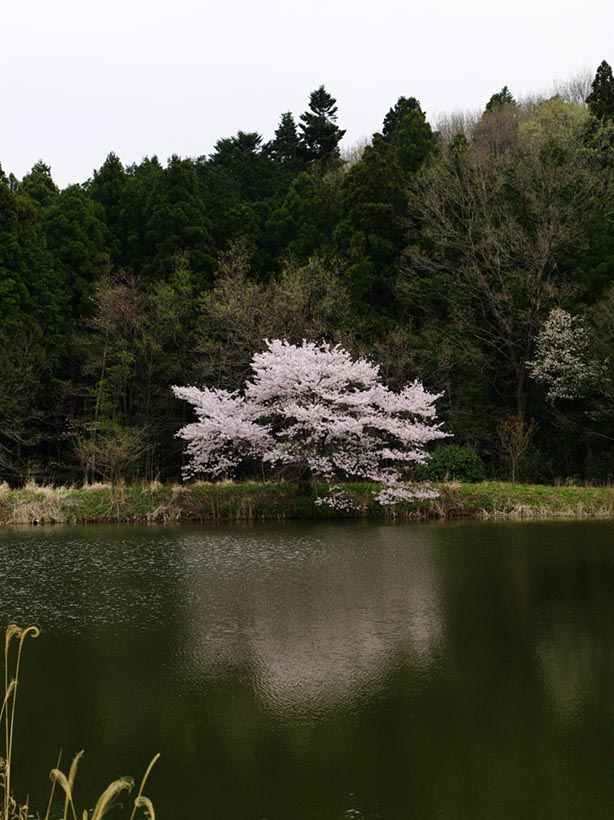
point(477, 255)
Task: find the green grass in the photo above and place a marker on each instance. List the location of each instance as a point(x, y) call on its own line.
point(251, 501)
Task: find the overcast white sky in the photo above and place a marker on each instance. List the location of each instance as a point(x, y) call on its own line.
point(80, 78)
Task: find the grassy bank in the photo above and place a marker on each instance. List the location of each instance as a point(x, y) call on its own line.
point(252, 501)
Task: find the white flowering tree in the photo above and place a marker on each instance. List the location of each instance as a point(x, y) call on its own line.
point(563, 361)
point(314, 409)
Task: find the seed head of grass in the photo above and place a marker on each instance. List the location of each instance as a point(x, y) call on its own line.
point(67, 784)
point(109, 795)
point(146, 804)
point(10, 809)
point(140, 800)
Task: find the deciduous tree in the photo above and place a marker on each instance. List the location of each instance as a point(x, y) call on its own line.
point(316, 410)
point(563, 360)
point(493, 229)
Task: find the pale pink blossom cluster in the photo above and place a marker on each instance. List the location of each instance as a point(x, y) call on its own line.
point(314, 407)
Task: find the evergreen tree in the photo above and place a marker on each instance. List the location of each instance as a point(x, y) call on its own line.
point(601, 99)
point(33, 294)
point(178, 222)
point(408, 134)
point(501, 98)
point(320, 135)
point(370, 233)
point(34, 330)
point(284, 147)
point(304, 224)
point(229, 148)
point(403, 107)
point(77, 238)
point(243, 157)
point(222, 192)
point(137, 199)
point(107, 187)
point(39, 185)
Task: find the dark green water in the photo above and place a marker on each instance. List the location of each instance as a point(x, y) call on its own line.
point(459, 671)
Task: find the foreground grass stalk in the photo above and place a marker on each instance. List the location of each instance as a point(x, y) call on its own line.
point(52, 790)
point(145, 802)
point(11, 809)
point(10, 695)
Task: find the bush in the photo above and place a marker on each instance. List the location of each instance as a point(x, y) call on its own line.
point(453, 463)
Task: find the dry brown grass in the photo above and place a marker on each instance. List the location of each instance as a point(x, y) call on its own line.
point(157, 503)
point(12, 808)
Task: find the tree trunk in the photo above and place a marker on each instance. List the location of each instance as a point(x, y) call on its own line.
point(305, 484)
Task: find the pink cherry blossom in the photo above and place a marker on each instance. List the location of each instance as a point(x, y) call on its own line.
point(314, 407)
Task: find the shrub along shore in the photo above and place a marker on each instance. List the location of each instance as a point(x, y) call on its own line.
point(256, 501)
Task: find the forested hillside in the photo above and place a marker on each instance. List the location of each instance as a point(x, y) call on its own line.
point(477, 255)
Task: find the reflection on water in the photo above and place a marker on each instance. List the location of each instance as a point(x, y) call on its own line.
point(324, 671)
point(319, 630)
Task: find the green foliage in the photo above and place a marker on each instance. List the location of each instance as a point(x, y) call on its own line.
point(107, 187)
point(303, 301)
point(408, 134)
point(303, 225)
point(437, 256)
point(449, 462)
point(24, 362)
point(601, 99)
point(129, 202)
point(39, 185)
point(77, 238)
point(33, 292)
point(178, 223)
point(501, 98)
point(371, 228)
point(555, 122)
point(285, 147)
point(320, 134)
point(247, 164)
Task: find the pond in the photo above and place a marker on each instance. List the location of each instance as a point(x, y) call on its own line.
point(295, 671)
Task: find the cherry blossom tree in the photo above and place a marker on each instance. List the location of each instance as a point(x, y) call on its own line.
point(563, 362)
point(314, 409)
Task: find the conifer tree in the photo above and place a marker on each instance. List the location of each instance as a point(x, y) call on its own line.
point(408, 134)
point(303, 225)
point(107, 187)
point(137, 201)
point(392, 120)
point(39, 185)
point(229, 148)
point(33, 294)
point(178, 222)
point(77, 238)
point(320, 134)
point(247, 163)
point(284, 147)
point(601, 99)
point(501, 98)
point(371, 230)
point(221, 190)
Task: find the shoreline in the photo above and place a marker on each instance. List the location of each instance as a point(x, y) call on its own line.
point(256, 501)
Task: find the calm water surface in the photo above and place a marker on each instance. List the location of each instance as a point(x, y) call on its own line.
point(289, 672)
